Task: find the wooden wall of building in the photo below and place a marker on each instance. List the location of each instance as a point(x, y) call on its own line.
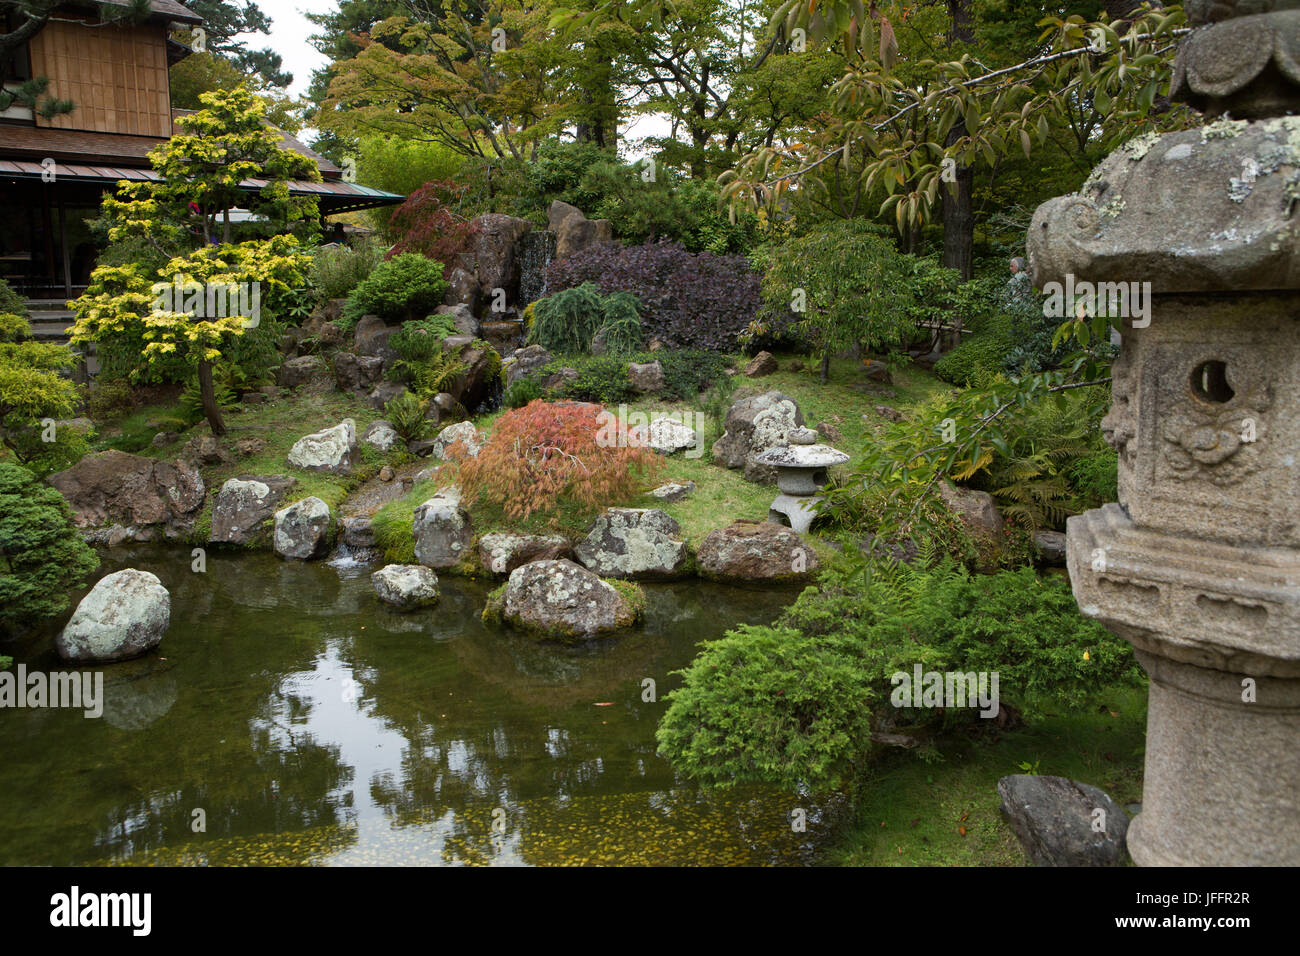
point(116, 76)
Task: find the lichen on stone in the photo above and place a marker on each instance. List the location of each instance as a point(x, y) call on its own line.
point(1222, 128)
point(1113, 208)
point(1139, 146)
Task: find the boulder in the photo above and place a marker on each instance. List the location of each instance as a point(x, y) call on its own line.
point(443, 533)
point(502, 552)
point(381, 435)
point(302, 530)
point(890, 414)
point(496, 253)
point(975, 509)
point(383, 394)
point(526, 360)
point(463, 318)
point(504, 336)
point(761, 364)
point(830, 432)
point(752, 426)
point(357, 532)
point(562, 600)
point(357, 373)
point(124, 615)
point(755, 552)
point(205, 449)
point(138, 498)
point(462, 289)
point(330, 450)
point(246, 447)
point(1060, 822)
point(573, 230)
point(646, 377)
point(371, 336)
point(664, 435)
point(163, 439)
point(470, 439)
point(1051, 547)
point(252, 398)
point(243, 505)
point(481, 379)
point(634, 543)
point(406, 587)
point(561, 378)
point(673, 491)
point(877, 372)
point(299, 371)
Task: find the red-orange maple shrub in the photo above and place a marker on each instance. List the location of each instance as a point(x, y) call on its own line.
point(546, 453)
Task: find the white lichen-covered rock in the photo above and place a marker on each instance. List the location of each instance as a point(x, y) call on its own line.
point(664, 435)
point(634, 543)
point(406, 587)
point(243, 507)
point(331, 450)
point(469, 437)
point(124, 615)
point(443, 533)
point(671, 491)
point(381, 435)
point(302, 530)
point(562, 600)
point(501, 552)
point(753, 425)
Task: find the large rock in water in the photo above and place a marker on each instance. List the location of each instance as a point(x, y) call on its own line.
point(115, 496)
point(302, 530)
point(753, 425)
point(761, 552)
point(405, 587)
point(1063, 823)
point(331, 450)
point(502, 552)
point(634, 543)
point(496, 252)
point(124, 615)
point(562, 600)
point(243, 506)
point(443, 533)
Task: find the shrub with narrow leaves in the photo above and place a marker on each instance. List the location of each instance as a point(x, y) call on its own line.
point(543, 456)
point(688, 300)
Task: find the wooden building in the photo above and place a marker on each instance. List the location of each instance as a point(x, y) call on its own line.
point(54, 172)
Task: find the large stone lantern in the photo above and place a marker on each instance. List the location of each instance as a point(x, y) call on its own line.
point(1198, 565)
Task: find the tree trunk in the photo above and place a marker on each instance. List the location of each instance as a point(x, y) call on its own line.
point(208, 395)
point(825, 370)
point(958, 215)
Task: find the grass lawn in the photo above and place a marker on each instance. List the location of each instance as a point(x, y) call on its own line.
point(912, 813)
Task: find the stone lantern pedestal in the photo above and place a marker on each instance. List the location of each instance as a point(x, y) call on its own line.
point(1196, 235)
point(800, 474)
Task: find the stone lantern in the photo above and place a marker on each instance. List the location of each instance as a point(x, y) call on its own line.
point(1198, 565)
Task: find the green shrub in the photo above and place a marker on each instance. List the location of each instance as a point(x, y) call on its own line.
point(794, 704)
point(398, 289)
point(522, 391)
point(406, 414)
point(14, 328)
point(604, 378)
point(42, 556)
point(620, 328)
point(11, 302)
point(420, 340)
point(979, 357)
point(109, 398)
point(687, 372)
point(565, 322)
point(337, 270)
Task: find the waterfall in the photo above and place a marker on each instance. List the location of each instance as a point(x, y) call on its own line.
point(538, 251)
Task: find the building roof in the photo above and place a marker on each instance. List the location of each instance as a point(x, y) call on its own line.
point(333, 197)
point(169, 9)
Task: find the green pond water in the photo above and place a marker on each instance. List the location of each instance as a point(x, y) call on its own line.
point(312, 727)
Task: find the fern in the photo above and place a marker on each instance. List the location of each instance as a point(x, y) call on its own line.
point(431, 376)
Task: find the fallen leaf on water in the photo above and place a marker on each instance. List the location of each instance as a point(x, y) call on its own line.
point(605, 703)
point(961, 830)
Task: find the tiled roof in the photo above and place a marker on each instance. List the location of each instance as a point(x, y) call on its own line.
point(167, 8)
point(334, 196)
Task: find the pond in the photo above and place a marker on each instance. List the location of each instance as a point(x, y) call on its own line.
point(288, 719)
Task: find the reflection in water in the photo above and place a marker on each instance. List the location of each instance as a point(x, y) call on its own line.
point(312, 727)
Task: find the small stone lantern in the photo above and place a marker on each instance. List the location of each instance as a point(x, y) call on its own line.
point(800, 474)
point(1198, 564)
